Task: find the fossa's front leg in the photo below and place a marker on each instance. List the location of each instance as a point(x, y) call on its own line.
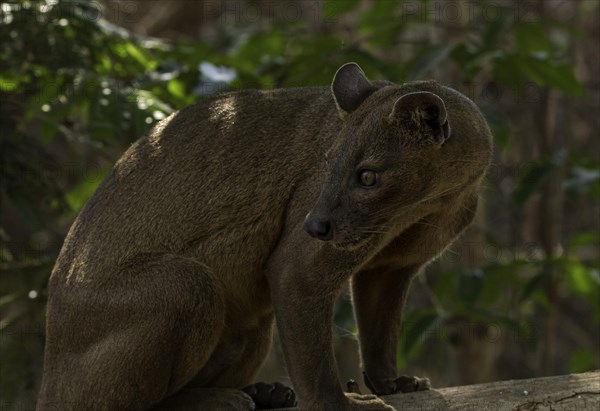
point(304, 290)
point(379, 296)
point(379, 293)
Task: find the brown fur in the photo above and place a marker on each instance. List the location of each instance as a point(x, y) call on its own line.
point(165, 291)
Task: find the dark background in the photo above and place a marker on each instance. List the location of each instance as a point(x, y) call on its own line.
point(517, 296)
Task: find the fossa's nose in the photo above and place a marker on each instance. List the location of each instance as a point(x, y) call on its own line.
point(319, 228)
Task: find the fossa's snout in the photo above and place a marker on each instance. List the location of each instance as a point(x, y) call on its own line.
point(320, 228)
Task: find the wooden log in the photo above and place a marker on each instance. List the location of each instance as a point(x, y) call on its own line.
point(578, 392)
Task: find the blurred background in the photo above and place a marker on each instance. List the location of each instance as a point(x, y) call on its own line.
point(518, 295)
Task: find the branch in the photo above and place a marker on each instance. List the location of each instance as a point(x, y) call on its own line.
point(579, 392)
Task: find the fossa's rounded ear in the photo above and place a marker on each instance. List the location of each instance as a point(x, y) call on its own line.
point(424, 111)
point(350, 87)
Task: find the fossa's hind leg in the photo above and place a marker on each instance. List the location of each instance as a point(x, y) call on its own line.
point(130, 344)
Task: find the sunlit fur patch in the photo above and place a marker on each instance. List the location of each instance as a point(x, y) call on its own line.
point(223, 111)
point(157, 132)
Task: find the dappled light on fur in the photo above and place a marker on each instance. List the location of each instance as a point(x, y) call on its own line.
point(224, 111)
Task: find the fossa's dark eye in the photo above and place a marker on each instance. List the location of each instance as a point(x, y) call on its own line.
point(367, 178)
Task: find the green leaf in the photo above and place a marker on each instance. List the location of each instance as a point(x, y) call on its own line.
point(48, 130)
point(536, 283)
point(516, 69)
point(551, 74)
point(494, 284)
point(8, 84)
point(585, 282)
point(581, 279)
point(493, 31)
point(584, 239)
point(583, 360)
point(137, 54)
point(505, 69)
point(532, 38)
point(511, 272)
point(176, 88)
point(78, 196)
point(534, 176)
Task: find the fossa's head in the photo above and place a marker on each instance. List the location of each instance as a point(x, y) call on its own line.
point(394, 153)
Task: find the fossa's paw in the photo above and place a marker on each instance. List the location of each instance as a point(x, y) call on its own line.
point(406, 383)
point(268, 396)
point(402, 384)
